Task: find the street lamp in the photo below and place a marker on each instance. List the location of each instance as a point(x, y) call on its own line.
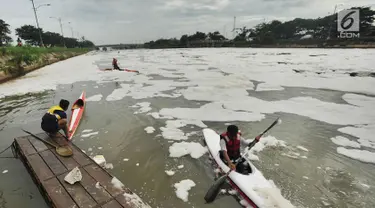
point(37, 22)
point(71, 28)
point(330, 25)
point(62, 32)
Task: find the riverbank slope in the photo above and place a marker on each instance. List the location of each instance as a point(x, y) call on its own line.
point(18, 61)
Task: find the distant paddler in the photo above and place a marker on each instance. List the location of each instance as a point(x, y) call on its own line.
point(55, 119)
point(115, 65)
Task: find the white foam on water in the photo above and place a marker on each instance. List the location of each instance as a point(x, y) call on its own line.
point(365, 133)
point(183, 188)
point(268, 87)
point(268, 141)
point(170, 172)
point(360, 155)
point(94, 98)
point(272, 197)
point(194, 149)
point(90, 134)
point(180, 166)
point(108, 166)
point(137, 164)
point(305, 177)
point(223, 191)
point(215, 94)
point(117, 183)
point(343, 141)
point(144, 107)
point(338, 114)
point(90, 149)
point(5, 171)
point(100, 148)
point(134, 200)
point(302, 148)
point(156, 115)
point(125, 159)
point(210, 112)
point(172, 132)
point(149, 129)
point(304, 157)
point(119, 93)
point(232, 192)
point(87, 130)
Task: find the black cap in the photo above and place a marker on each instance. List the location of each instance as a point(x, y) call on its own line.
point(64, 104)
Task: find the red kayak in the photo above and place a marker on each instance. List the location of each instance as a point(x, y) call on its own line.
point(77, 112)
point(127, 70)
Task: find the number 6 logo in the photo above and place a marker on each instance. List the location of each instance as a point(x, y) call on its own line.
point(348, 20)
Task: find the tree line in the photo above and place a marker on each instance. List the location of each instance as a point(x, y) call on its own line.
point(321, 31)
point(31, 35)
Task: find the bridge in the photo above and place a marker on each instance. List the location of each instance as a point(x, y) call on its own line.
point(121, 46)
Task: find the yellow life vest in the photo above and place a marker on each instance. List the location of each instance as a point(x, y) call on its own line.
point(52, 110)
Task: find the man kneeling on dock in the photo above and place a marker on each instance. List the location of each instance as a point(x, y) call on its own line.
point(56, 119)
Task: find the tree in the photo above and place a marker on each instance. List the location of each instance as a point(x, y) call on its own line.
point(53, 39)
point(29, 34)
point(86, 44)
point(184, 40)
point(216, 36)
point(4, 31)
point(71, 42)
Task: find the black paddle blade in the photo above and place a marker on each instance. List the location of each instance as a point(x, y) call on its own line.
point(215, 189)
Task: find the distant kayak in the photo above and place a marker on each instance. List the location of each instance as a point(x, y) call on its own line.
point(126, 70)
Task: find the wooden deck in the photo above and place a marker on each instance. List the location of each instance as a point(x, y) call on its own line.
point(48, 170)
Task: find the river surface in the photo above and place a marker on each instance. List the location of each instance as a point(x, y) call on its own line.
point(309, 89)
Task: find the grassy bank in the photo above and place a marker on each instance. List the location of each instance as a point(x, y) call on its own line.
point(17, 61)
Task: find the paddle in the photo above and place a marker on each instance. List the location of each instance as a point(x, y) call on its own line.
point(65, 151)
point(215, 188)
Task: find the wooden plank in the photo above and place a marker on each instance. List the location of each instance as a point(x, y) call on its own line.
point(38, 145)
point(99, 194)
point(57, 194)
point(54, 164)
point(26, 147)
point(80, 157)
point(40, 167)
point(68, 162)
point(78, 193)
point(112, 204)
point(103, 178)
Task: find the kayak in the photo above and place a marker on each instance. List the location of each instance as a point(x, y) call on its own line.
point(126, 70)
point(251, 186)
point(77, 112)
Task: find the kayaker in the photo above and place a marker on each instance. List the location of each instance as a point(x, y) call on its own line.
point(114, 64)
point(56, 119)
point(230, 143)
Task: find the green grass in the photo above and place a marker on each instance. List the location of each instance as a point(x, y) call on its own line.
point(12, 50)
point(16, 56)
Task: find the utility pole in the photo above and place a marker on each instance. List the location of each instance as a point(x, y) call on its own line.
point(37, 21)
point(61, 28)
point(234, 27)
point(71, 29)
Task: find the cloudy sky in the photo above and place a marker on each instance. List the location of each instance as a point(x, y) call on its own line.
point(136, 21)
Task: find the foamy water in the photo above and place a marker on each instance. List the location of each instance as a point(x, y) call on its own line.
point(226, 81)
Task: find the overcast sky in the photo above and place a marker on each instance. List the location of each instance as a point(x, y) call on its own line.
point(136, 21)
